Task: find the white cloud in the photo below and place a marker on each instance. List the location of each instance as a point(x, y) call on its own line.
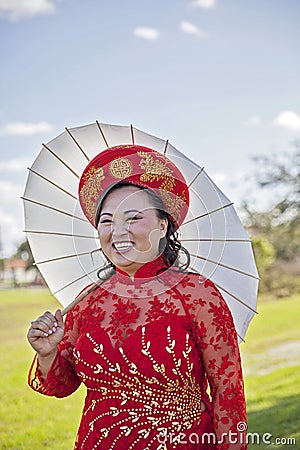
point(11, 232)
point(150, 34)
point(190, 28)
point(23, 9)
point(10, 217)
point(220, 177)
point(24, 129)
point(288, 119)
point(254, 120)
point(10, 193)
point(14, 165)
point(241, 175)
point(205, 4)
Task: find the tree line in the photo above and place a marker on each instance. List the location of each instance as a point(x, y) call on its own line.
point(275, 232)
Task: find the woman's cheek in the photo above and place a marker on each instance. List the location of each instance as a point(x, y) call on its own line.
point(104, 236)
point(140, 227)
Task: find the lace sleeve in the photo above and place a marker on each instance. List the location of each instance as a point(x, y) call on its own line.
point(217, 342)
point(62, 379)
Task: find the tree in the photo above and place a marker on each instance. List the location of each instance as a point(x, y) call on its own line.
point(276, 232)
point(283, 171)
point(24, 252)
point(264, 253)
point(281, 225)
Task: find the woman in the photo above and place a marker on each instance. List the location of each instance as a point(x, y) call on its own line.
point(151, 339)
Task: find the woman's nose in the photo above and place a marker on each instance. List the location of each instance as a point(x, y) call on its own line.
point(119, 228)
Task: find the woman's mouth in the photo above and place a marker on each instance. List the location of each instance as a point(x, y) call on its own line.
point(122, 247)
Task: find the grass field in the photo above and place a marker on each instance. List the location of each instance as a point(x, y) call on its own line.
point(271, 360)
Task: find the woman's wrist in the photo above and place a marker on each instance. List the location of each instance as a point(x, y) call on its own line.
point(45, 362)
point(47, 356)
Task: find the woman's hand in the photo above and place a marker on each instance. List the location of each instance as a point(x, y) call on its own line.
point(45, 334)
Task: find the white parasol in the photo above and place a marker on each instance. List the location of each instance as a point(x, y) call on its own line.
point(65, 245)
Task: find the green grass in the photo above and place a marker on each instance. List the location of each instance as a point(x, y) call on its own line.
point(31, 421)
point(271, 361)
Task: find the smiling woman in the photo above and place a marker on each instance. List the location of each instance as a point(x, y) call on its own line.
point(150, 338)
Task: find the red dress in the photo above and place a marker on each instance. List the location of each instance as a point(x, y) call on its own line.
point(147, 349)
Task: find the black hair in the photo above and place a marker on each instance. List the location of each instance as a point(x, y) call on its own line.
point(169, 246)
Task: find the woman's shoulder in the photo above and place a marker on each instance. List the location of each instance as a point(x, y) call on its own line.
point(90, 294)
point(198, 291)
point(195, 281)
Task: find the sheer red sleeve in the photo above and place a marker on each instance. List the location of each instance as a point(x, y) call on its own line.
point(62, 379)
point(217, 341)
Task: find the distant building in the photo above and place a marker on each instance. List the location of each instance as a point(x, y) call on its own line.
point(15, 272)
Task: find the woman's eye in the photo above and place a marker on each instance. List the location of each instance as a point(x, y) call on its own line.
point(133, 218)
point(105, 221)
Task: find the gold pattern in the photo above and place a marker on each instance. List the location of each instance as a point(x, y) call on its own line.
point(91, 189)
point(156, 170)
point(172, 202)
point(34, 380)
point(166, 406)
point(121, 168)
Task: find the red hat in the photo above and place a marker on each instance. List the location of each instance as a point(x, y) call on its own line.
point(138, 165)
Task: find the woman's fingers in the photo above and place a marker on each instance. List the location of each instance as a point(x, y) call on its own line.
point(36, 333)
point(47, 324)
point(46, 332)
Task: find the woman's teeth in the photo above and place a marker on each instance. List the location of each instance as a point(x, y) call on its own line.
point(122, 245)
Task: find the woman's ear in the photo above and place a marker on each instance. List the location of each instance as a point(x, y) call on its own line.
point(163, 227)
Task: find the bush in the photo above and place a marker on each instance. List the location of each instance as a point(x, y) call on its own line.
point(279, 281)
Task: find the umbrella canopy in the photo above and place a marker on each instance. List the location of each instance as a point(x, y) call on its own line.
point(65, 245)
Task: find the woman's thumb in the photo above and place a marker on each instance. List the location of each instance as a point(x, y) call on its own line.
point(59, 318)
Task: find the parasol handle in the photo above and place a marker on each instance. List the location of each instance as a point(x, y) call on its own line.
point(78, 299)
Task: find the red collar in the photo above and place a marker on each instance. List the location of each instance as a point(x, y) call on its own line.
point(148, 270)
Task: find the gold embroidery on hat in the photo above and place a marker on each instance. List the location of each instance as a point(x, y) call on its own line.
point(173, 203)
point(91, 189)
point(155, 170)
point(121, 168)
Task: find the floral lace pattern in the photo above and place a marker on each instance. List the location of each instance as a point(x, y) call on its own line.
point(124, 315)
point(146, 349)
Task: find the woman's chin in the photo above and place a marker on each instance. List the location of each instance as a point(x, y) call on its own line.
point(124, 262)
point(130, 258)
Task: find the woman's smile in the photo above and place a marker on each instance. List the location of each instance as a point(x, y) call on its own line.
point(123, 247)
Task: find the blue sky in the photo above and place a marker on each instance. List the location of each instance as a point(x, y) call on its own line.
point(218, 78)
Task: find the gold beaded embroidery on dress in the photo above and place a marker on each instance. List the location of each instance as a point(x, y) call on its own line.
point(167, 407)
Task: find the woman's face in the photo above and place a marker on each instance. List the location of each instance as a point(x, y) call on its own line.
point(129, 228)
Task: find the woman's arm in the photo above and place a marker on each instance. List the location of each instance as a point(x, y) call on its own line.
point(218, 346)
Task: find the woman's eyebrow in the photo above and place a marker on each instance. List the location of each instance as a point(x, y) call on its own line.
point(129, 211)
